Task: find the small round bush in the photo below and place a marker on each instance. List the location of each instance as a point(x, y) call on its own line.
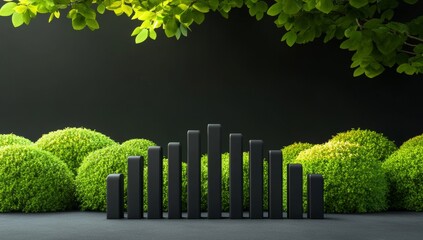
point(93, 172)
point(289, 154)
point(141, 144)
point(413, 142)
point(33, 180)
point(404, 171)
point(375, 143)
point(225, 182)
point(354, 182)
point(71, 145)
point(12, 139)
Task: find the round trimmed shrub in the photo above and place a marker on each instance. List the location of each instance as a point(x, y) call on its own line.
point(33, 180)
point(289, 154)
point(413, 142)
point(93, 172)
point(141, 144)
point(354, 181)
point(225, 182)
point(404, 171)
point(12, 139)
point(375, 143)
point(71, 145)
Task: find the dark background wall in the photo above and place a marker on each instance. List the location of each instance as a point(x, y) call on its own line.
point(235, 72)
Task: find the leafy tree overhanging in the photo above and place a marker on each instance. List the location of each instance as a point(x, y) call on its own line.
point(366, 27)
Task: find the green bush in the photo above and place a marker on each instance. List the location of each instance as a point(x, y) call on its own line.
point(289, 154)
point(141, 144)
point(33, 180)
point(413, 142)
point(225, 182)
point(71, 145)
point(12, 139)
point(93, 172)
point(354, 181)
point(375, 143)
point(404, 171)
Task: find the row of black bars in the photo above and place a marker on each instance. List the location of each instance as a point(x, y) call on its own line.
point(115, 205)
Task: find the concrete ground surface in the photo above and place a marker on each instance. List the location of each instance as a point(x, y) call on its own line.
point(94, 225)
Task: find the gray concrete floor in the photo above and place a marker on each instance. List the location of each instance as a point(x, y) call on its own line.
point(94, 225)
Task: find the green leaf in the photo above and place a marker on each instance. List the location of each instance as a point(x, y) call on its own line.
point(153, 34)
point(290, 38)
point(17, 19)
point(406, 68)
point(387, 15)
point(325, 6)
point(92, 24)
point(198, 17)
point(275, 9)
point(136, 31)
point(171, 27)
point(78, 22)
point(183, 30)
point(291, 6)
point(359, 71)
point(412, 2)
point(201, 7)
point(7, 9)
point(359, 3)
point(142, 36)
point(20, 8)
point(214, 4)
point(101, 8)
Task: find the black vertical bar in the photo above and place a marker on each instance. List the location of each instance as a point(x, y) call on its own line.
point(295, 191)
point(315, 200)
point(275, 184)
point(256, 179)
point(214, 170)
point(155, 182)
point(135, 187)
point(194, 174)
point(114, 196)
point(236, 176)
point(174, 177)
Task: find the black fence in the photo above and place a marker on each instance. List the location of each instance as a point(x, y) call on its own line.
point(115, 202)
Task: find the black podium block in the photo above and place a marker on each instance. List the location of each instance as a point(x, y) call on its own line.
point(214, 171)
point(256, 179)
point(315, 204)
point(115, 196)
point(236, 176)
point(135, 187)
point(155, 182)
point(275, 184)
point(295, 191)
point(175, 178)
point(194, 174)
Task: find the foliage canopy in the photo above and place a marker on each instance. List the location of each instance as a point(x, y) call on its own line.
point(366, 27)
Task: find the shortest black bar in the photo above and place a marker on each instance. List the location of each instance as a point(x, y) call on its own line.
point(295, 191)
point(115, 196)
point(315, 196)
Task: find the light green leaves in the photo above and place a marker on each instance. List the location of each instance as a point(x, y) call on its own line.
point(201, 7)
point(141, 36)
point(7, 9)
point(17, 19)
point(291, 6)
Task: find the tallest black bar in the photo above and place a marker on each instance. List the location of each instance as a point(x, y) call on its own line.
point(214, 170)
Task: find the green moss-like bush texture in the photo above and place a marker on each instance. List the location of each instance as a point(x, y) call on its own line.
point(12, 139)
point(375, 143)
point(225, 182)
point(71, 145)
point(354, 182)
point(93, 172)
point(141, 144)
point(404, 171)
point(413, 142)
point(33, 180)
point(289, 154)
